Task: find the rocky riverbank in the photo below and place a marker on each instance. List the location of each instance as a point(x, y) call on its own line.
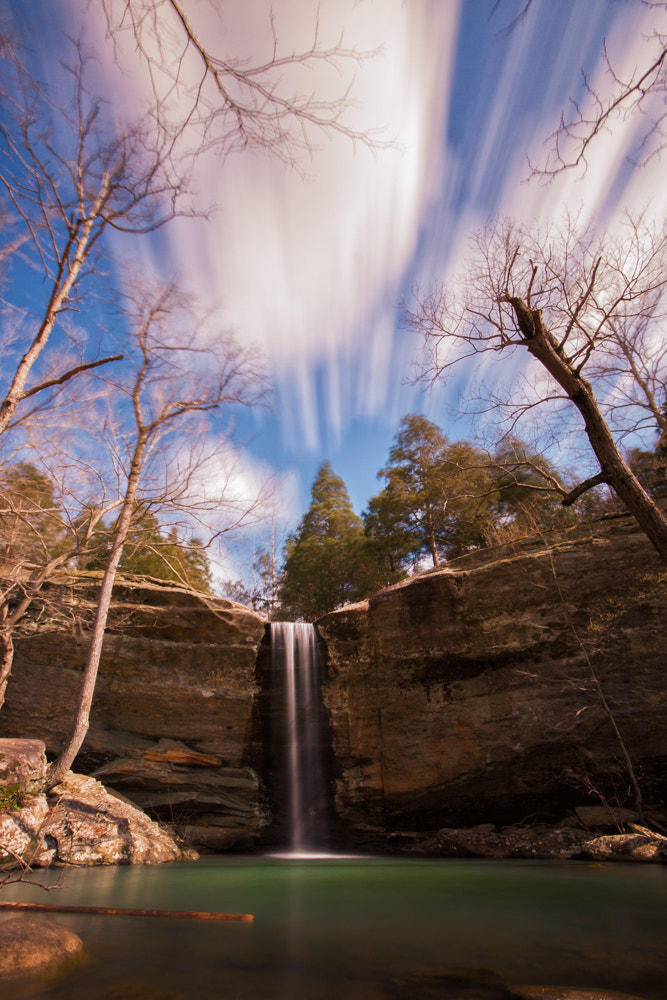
point(78, 822)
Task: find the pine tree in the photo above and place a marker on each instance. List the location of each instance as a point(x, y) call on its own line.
point(436, 499)
point(324, 559)
point(31, 524)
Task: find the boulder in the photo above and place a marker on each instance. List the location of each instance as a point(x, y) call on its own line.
point(89, 825)
point(80, 823)
point(605, 816)
point(29, 946)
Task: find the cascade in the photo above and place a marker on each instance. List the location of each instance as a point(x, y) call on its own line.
point(295, 667)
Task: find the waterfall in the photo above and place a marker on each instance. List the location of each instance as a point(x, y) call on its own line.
point(295, 667)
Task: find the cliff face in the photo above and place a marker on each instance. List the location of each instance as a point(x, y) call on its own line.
point(173, 723)
point(471, 693)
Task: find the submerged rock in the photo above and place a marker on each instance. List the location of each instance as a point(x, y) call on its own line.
point(29, 946)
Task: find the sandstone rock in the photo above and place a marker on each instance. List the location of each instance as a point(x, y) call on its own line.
point(626, 847)
point(605, 816)
point(88, 825)
point(29, 946)
point(567, 993)
point(20, 828)
point(461, 696)
point(175, 703)
point(171, 779)
point(538, 842)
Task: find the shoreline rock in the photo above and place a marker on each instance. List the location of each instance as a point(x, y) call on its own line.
point(538, 842)
point(80, 822)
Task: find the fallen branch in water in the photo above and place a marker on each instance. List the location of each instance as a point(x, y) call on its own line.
point(106, 911)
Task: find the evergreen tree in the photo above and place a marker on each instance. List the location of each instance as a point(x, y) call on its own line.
point(31, 525)
point(149, 552)
point(324, 558)
point(436, 500)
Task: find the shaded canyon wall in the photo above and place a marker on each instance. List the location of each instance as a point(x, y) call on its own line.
point(464, 695)
point(468, 694)
point(174, 722)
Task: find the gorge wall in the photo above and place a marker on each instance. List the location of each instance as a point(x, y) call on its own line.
point(174, 722)
point(474, 693)
point(462, 696)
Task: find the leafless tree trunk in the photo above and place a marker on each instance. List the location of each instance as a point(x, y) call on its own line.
point(614, 470)
point(578, 302)
point(163, 394)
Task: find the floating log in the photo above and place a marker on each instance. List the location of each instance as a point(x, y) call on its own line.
point(112, 911)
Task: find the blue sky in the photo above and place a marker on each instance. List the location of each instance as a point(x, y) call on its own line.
point(311, 263)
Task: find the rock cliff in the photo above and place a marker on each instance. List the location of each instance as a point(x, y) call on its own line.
point(477, 692)
point(483, 692)
point(174, 723)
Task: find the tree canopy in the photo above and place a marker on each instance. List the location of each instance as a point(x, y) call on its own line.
point(323, 558)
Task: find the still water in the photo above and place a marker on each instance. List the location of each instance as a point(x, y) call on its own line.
point(351, 928)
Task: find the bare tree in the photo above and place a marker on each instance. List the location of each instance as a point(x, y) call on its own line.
point(589, 310)
point(69, 173)
point(176, 381)
point(41, 533)
point(225, 101)
point(640, 94)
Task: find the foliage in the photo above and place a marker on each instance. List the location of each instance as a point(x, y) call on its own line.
point(324, 558)
point(442, 498)
point(31, 525)
point(149, 551)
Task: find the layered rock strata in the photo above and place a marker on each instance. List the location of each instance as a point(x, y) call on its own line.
point(477, 691)
point(78, 823)
point(174, 723)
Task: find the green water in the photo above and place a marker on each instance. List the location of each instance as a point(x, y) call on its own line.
point(350, 928)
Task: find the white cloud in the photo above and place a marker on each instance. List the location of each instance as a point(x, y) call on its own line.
point(310, 267)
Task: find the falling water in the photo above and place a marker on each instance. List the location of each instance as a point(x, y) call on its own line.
point(295, 667)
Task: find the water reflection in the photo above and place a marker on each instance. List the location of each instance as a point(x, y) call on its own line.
point(330, 928)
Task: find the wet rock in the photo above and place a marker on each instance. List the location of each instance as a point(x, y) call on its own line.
point(538, 842)
point(29, 946)
point(640, 845)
